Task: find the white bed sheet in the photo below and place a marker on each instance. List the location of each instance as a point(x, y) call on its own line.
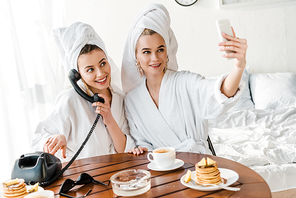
point(264, 140)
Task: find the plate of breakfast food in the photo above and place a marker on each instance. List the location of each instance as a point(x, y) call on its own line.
point(18, 188)
point(208, 177)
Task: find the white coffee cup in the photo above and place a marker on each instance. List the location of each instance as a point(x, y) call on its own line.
point(41, 194)
point(163, 157)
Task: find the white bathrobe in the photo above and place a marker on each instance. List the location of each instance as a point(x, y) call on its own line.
point(73, 117)
point(186, 100)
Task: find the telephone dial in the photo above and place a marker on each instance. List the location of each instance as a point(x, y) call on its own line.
point(43, 167)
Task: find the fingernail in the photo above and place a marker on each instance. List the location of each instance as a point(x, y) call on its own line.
point(224, 34)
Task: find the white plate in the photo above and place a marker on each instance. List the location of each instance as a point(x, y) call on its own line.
point(28, 187)
point(178, 163)
point(230, 175)
point(39, 188)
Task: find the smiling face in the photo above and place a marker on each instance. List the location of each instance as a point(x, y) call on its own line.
point(151, 54)
point(95, 70)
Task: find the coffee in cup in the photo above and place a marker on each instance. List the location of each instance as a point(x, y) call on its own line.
point(163, 150)
point(163, 157)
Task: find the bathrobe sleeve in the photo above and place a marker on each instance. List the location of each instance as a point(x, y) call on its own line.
point(209, 101)
point(138, 137)
point(120, 117)
point(58, 122)
point(130, 142)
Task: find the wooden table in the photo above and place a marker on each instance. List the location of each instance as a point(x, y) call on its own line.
point(163, 184)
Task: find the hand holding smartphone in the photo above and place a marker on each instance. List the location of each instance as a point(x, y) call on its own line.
point(223, 25)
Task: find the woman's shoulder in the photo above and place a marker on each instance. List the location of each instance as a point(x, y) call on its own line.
point(68, 98)
point(136, 92)
point(66, 105)
point(186, 74)
point(67, 95)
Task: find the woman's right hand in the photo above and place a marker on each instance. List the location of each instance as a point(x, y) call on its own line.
point(238, 46)
point(55, 143)
point(138, 150)
point(105, 110)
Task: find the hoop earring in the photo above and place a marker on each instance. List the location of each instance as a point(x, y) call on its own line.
point(139, 68)
point(86, 86)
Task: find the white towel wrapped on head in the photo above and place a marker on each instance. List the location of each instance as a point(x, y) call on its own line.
point(154, 17)
point(70, 40)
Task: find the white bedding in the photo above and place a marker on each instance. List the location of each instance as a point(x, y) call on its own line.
point(264, 140)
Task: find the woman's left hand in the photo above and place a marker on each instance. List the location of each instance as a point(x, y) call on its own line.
point(238, 48)
point(138, 150)
point(104, 109)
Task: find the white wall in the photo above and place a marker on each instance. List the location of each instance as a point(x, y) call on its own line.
point(270, 30)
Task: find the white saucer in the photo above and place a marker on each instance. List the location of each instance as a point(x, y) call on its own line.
point(230, 176)
point(178, 163)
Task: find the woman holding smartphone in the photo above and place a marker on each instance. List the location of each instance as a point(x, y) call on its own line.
point(166, 107)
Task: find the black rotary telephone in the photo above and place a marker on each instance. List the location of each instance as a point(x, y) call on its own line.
point(43, 167)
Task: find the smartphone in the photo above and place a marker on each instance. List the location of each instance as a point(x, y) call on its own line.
point(223, 25)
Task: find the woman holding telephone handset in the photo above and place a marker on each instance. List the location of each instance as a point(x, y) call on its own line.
point(166, 107)
point(68, 125)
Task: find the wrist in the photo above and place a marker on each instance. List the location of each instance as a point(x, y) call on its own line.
point(109, 122)
point(238, 70)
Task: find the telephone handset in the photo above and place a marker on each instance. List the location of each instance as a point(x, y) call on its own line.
point(74, 76)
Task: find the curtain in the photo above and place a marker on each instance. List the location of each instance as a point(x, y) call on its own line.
point(31, 73)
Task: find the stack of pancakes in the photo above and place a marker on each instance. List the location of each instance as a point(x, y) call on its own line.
point(207, 172)
point(16, 188)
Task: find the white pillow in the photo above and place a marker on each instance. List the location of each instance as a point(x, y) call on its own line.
point(245, 101)
point(273, 90)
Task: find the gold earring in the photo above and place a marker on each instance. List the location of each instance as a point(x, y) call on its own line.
point(166, 67)
point(139, 68)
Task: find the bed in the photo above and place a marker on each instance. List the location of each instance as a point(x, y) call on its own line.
point(260, 130)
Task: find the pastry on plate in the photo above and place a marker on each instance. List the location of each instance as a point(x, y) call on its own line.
point(207, 172)
point(15, 188)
